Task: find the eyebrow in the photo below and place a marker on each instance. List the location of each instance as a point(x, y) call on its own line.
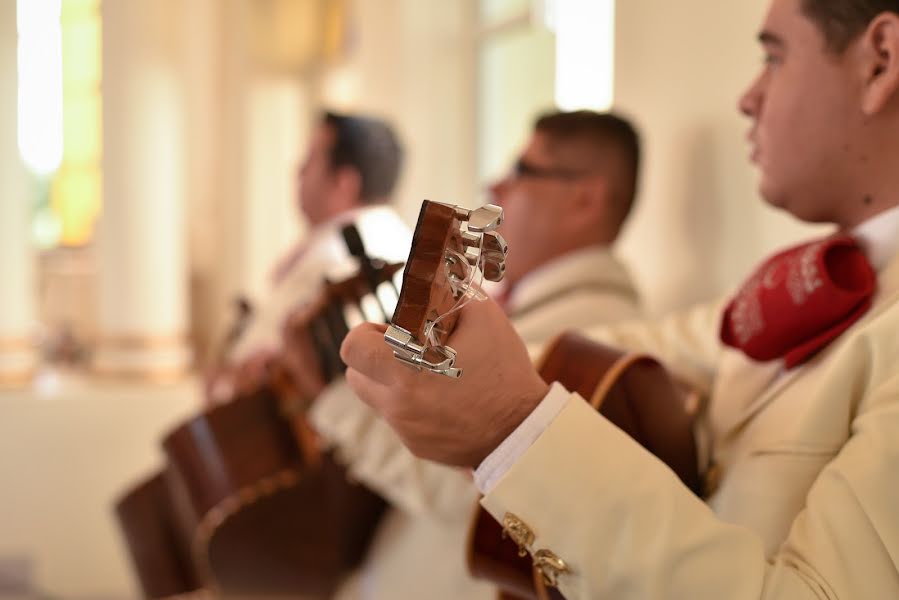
point(770, 39)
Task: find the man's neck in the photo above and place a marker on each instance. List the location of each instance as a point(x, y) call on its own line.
point(866, 206)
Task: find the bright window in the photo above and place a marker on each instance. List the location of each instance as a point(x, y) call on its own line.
point(60, 134)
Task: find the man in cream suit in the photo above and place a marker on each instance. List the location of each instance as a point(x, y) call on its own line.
point(348, 176)
point(804, 434)
point(565, 200)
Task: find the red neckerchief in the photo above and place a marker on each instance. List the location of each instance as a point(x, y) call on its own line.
point(800, 300)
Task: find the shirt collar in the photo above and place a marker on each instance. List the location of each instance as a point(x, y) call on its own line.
point(879, 236)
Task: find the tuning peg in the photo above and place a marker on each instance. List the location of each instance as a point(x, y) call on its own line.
point(486, 242)
point(457, 265)
point(494, 243)
point(436, 359)
point(492, 257)
point(494, 271)
point(484, 219)
point(471, 240)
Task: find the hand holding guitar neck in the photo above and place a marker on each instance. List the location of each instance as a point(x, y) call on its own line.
point(450, 420)
point(440, 278)
point(460, 422)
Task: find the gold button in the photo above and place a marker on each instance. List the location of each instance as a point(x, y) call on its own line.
point(515, 529)
point(550, 566)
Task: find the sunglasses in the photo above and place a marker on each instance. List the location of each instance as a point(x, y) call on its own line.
point(522, 169)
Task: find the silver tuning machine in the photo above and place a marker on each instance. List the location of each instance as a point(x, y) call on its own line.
point(436, 359)
point(485, 248)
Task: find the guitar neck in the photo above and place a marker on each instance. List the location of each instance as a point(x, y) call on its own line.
point(327, 321)
point(449, 245)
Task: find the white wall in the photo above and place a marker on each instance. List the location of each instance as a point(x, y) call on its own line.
point(67, 453)
point(413, 62)
point(516, 72)
point(700, 225)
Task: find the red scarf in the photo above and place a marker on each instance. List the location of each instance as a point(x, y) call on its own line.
point(800, 300)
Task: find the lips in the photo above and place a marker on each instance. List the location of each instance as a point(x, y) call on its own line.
point(753, 145)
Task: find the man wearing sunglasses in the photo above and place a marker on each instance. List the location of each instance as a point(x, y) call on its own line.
point(565, 200)
point(800, 368)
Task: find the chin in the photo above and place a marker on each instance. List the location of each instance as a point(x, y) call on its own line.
point(807, 212)
point(772, 196)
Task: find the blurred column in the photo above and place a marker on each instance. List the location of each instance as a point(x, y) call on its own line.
point(17, 352)
point(142, 245)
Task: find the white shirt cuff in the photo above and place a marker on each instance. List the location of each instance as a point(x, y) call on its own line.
point(498, 462)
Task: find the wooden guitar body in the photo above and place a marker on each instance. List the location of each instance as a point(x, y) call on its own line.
point(632, 391)
point(636, 394)
point(242, 510)
point(247, 503)
point(160, 552)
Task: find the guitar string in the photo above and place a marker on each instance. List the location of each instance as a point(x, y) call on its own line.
point(470, 290)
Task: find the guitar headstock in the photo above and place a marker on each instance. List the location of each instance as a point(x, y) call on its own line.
point(449, 247)
point(316, 329)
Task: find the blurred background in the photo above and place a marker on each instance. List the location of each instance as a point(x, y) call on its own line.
point(148, 163)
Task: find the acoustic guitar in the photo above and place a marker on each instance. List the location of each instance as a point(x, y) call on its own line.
point(632, 390)
point(247, 504)
point(635, 393)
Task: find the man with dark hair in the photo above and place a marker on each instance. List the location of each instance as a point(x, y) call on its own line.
point(841, 21)
point(350, 170)
point(370, 146)
point(352, 162)
point(799, 368)
point(565, 201)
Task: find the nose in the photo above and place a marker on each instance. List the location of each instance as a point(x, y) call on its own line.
point(497, 191)
point(750, 103)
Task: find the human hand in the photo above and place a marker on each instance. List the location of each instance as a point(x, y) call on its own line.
point(453, 421)
point(251, 374)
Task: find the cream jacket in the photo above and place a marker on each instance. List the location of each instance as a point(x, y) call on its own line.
point(808, 500)
point(576, 291)
point(324, 254)
point(419, 550)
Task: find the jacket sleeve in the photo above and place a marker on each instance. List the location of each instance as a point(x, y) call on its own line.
point(375, 456)
point(686, 342)
point(626, 527)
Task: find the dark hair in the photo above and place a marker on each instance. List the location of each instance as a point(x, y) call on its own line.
point(371, 147)
point(841, 21)
point(605, 131)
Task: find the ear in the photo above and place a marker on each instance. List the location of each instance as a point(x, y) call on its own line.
point(880, 56)
point(349, 187)
point(592, 202)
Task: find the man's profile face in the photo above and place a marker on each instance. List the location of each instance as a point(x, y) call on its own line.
point(532, 196)
point(803, 116)
point(317, 177)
